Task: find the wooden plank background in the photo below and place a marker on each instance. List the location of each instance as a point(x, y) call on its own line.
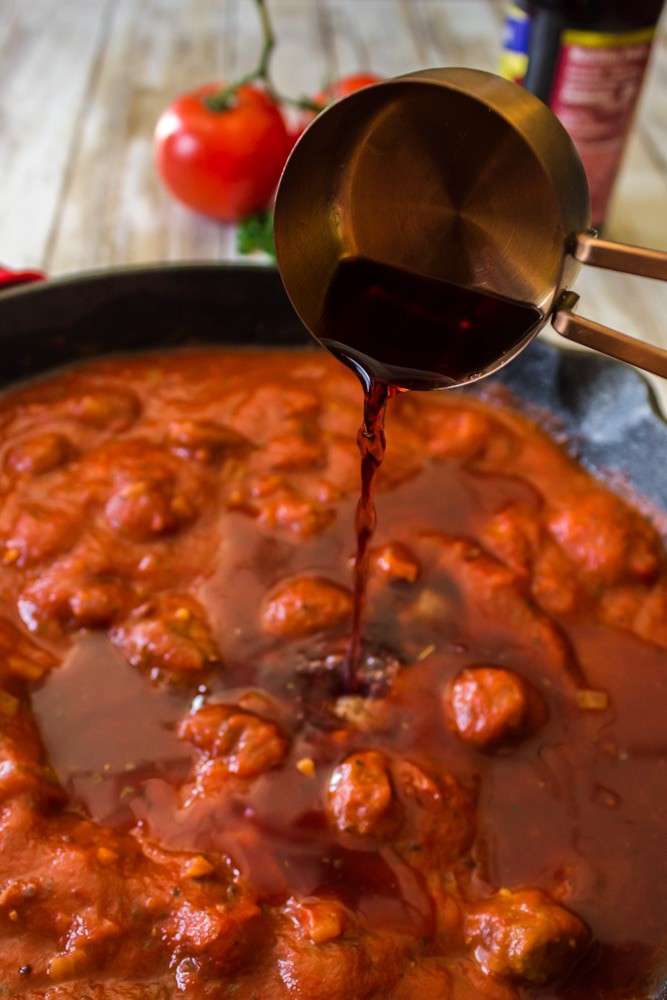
point(82, 83)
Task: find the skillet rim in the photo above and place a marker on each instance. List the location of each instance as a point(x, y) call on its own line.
point(607, 412)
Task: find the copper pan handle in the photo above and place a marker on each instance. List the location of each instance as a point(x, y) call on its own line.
point(602, 338)
point(620, 257)
point(588, 249)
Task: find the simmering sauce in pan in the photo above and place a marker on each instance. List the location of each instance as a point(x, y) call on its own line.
point(193, 802)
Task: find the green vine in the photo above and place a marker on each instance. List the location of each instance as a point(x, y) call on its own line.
point(222, 99)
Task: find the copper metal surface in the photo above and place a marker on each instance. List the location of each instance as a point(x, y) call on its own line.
point(620, 257)
point(454, 174)
point(605, 340)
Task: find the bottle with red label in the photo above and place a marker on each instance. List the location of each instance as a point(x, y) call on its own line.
point(586, 59)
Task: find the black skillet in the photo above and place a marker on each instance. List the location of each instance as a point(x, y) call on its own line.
point(605, 410)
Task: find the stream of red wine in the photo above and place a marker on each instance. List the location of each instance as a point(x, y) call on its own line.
point(372, 443)
point(400, 330)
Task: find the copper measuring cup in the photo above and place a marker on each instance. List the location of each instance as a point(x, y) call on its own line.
point(460, 176)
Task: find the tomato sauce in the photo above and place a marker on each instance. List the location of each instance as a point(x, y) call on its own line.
point(193, 800)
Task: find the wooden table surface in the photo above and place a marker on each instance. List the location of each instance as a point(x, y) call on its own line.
point(83, 81)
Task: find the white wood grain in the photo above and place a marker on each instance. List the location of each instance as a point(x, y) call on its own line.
point(375, 35)
point(638, 210)
point(461, 32)
point(303, 57)
point(114, 208)
point(43, 87)
point(652, 117)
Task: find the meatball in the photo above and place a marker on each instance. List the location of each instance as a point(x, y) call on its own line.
point(142, 510)
point(458, 433)
point(241, 743)
point(24, 765)
point(526, 936)
point(38, 533)
point(304, 605)
point(75, 592)
point(359, 964)
point(170, 634)
point(145, 492)
point(360, 793)
point(292, 451)
point(486, 705)
point(490, 588)
point(513, 536)
point(20, 657)
point(395, 562)
point(437, 816)
point(204, 440)
point(289, 404)
point(606, 539)
point(297, 515)
point(429, 819)
point(33, 456)
point(105, 407)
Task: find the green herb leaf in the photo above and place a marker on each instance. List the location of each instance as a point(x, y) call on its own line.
point(256, 233)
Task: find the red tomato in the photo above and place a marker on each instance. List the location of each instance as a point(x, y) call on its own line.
point(224, 164)
point(344, 86)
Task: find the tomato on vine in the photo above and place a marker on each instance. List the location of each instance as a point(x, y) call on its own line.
point(220, 153)
point(221, 150)
point(344, 86)
point(340, 87)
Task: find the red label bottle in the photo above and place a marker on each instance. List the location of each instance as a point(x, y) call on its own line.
point(586, 59)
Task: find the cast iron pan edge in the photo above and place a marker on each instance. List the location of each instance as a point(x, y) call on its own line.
point(604, 408)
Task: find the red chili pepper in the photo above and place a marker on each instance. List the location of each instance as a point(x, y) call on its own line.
point(9, 277)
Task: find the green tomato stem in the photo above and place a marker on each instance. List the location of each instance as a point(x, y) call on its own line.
point(223, 99)
point(268, 40)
